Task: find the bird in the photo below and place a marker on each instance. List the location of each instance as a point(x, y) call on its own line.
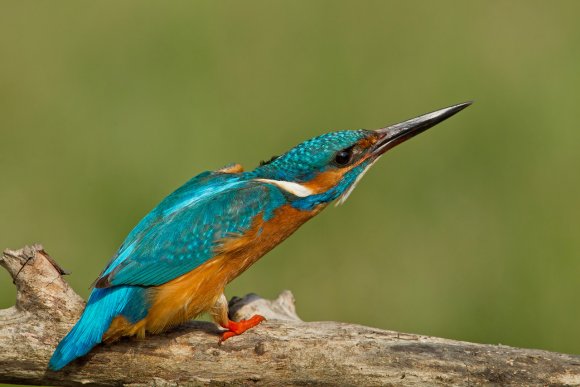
point(176, 262)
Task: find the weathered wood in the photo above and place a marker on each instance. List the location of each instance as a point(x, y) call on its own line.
point(282, 351)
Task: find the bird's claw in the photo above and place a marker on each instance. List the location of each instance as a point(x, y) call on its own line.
point(237, 328)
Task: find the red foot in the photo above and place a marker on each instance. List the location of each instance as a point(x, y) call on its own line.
point(237, 328)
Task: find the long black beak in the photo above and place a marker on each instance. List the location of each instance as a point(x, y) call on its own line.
point(398, 133)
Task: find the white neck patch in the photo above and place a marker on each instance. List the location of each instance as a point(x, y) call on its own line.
point(289, 186)
point(342, 198)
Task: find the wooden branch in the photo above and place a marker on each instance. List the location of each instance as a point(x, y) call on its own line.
point(282, 351)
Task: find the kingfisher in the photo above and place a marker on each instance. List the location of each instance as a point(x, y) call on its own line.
point(176, 262)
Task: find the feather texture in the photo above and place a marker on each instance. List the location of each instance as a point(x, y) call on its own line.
point(182, 231)
point(102, 307)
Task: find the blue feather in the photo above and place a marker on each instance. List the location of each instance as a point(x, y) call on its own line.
point(183, 231)
point(103, 306)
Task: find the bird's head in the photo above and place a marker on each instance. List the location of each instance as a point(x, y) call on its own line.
point(328, 167)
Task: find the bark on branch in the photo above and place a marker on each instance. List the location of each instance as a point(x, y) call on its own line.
point(282, 351)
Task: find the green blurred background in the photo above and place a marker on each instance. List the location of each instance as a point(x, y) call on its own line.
point(470, 231)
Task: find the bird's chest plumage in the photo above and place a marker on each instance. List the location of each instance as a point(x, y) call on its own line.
point(237, 253)
point(195, 292)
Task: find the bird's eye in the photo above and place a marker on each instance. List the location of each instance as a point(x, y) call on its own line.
point(343, 156)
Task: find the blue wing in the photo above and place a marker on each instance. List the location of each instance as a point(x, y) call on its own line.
point(183, 231)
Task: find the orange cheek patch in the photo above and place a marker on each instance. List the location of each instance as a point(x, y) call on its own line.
point(326, 180)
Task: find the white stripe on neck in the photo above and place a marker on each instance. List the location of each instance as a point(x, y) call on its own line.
point(289, 186)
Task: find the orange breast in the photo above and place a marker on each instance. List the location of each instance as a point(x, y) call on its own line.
point(185, 297)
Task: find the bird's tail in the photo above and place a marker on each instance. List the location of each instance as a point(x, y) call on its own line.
point(102, 307)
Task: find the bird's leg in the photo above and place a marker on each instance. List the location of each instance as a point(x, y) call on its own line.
point(219, 313)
